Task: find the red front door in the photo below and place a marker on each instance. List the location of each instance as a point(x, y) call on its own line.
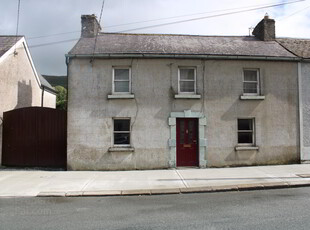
point(187, 142)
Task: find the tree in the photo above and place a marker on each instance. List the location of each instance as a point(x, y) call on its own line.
point(61, 99)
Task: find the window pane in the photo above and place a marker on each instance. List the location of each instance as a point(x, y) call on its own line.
point(121, 125)
point(121, 74)
point(250, 87)
point(245, 124)
point(245, 138)
point(121, 138)
point(187, 86)
point(250, 75)
point(187, 74)
point(121, 86)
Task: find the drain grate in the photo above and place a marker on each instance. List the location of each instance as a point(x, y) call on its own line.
point(303, 175)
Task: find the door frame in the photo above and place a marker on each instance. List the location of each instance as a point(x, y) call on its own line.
point(186, 151)
point(202, 122)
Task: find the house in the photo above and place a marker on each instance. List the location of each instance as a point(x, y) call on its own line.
point(20, 84)
point(149, 101)
point(301, 48)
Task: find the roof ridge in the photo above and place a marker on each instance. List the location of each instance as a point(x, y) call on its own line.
point(189, 35)
point(291, 38)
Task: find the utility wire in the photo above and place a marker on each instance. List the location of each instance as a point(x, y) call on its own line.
point(297, 12)
point(17, 23)
point(211, 16)
point(52, 35)
point(53, 43)
point(176, 22)
point(186, 15)
point(97, 31)
point(151, 20)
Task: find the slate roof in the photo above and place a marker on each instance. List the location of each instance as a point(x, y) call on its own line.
point(6, 42)
point(300, 47)
point(45, 83)
point(116, 43)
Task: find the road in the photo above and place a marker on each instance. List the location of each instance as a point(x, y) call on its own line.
point(267, 209)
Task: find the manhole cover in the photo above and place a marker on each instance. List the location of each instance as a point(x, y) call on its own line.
point(303, 175)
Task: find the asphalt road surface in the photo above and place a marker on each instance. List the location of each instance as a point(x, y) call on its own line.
point(267, 209)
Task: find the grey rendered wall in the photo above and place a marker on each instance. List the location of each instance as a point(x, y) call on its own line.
point(276, 117)
point(154, 83)
point(18, 85)
point(305, 110)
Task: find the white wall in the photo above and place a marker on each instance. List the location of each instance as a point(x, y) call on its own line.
point(49, 100)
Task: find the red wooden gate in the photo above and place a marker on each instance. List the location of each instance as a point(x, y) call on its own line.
point(35, 137)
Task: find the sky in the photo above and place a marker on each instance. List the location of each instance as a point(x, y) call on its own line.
point(39, 18)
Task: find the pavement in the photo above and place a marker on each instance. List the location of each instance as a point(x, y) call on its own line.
point(42, 183)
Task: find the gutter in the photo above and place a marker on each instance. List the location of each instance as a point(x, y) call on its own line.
point(42, 96)
point(50, 90)
point(306, 60)
point(67, 64)
point(300, 105)
point(47, 89)
point(184, 56)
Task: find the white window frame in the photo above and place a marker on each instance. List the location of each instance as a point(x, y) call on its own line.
point(247, 131)
point(113, 79)
point(179, 79)
point(257, 82)
point(113, 132)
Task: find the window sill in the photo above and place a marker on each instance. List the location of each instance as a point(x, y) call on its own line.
point(187, 96)
point(246, 148)
point(121, 149)
point(121, 96)
point(252, 97)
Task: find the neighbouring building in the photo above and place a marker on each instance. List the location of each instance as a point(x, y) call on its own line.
point(20, 84)
point(301, 48)
point(149, 101)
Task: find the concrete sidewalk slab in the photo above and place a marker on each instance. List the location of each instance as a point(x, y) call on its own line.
point(131, 180)
point(227, 176)
point(20, 183)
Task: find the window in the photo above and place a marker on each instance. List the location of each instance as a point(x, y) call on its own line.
point(121, 132)
point(246, 131)
point(187, 80)
point(251, 82)
point(121, 80)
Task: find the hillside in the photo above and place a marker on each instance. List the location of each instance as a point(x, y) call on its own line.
point(57, 80)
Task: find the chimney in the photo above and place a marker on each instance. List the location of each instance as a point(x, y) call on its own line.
point(265, 30)
point(90, 26)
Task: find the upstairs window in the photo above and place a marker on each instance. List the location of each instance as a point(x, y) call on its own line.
point(246, 131)
point(251, 82)
point(187, 80)
point(121, 80)
point(121, 132)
